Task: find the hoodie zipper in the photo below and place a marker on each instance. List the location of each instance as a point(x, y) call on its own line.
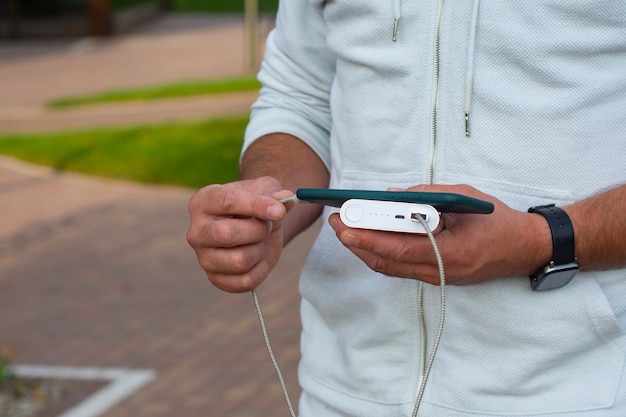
point(435, 102)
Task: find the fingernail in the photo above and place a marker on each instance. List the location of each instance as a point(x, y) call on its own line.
point(349, 239)
point(274, 211)
point(332, 220)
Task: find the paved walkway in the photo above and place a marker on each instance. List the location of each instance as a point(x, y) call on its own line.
point(175, 48)
point(97, 273)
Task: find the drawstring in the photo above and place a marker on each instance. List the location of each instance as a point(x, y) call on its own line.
point(397, 10)
point(470, 67)
point(396, 18)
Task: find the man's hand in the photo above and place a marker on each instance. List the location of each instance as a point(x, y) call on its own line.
point(474, 247)
point(236, 231)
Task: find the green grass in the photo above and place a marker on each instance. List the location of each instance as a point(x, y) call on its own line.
point(185, 89)
point(184, 154)
point(51, 8)
point(220, 5)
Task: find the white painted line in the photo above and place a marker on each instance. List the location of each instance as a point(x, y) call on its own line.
point(123, 383)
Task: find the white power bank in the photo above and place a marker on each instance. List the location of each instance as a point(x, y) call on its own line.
point(390, 216)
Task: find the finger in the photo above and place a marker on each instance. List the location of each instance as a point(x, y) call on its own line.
point(238, 283)
point(233, 232)
point(233, 261)
point(282, 194)
point(395, 247)
point(402, 247)
point(426, 272)
point(227, 232)
point(218, 200)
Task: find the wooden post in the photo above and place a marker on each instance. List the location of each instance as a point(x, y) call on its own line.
point(252, 34)
point(99, 17)
point(13, 29)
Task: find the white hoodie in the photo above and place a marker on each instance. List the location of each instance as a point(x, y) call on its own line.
point(544, 83)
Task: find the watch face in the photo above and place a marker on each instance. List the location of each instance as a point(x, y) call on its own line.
point(555, 277)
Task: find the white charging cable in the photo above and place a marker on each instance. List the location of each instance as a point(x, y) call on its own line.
point(431, 359)
point(442, 316)
point(281, 380)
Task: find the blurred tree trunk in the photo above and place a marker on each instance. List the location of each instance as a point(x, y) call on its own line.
point(99, 17)
point(251, 13)
point(13, 30)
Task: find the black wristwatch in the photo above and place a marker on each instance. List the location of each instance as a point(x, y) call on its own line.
point(564, 265)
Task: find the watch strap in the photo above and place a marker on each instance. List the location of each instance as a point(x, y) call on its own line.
point(562, 229)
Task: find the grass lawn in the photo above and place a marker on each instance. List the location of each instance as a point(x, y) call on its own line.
point(184, 154)
point(184, 89)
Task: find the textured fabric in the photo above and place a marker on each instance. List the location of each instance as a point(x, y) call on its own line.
point(548, 125)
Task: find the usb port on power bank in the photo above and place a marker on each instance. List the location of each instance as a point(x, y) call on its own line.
point(415, 215)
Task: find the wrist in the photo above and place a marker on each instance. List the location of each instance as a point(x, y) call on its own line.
point(540, 243)
point(563, 264)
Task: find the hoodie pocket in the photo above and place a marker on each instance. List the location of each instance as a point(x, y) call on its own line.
point(510, 351)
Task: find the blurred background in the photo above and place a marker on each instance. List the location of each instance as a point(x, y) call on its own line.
point(112, 112)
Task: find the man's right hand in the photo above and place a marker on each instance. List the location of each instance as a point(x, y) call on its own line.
point(236, 231)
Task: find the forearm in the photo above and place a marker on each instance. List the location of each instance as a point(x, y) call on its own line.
point(294, 165)
point(600, 230)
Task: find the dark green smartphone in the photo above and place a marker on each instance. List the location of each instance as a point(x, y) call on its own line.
point(442, 202)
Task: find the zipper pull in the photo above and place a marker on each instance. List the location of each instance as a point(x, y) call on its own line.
point(395, 29)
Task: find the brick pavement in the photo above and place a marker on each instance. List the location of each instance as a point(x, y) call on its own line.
point(110, 282)
point(98, 273)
